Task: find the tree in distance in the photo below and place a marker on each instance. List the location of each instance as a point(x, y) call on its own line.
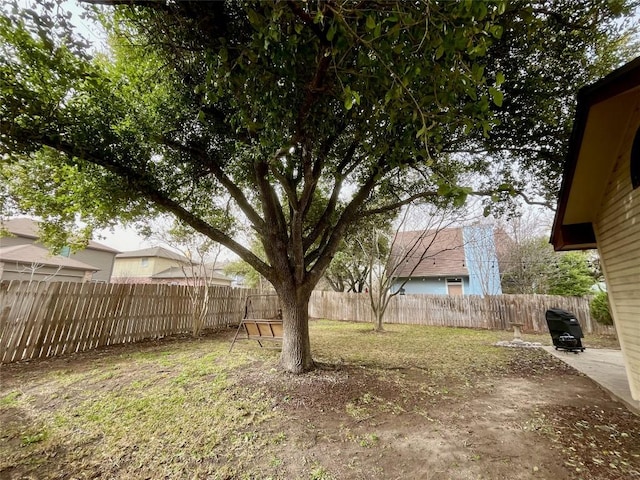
point(304, 118)
point(394, 254)
point(350, 268)
point(572, 276)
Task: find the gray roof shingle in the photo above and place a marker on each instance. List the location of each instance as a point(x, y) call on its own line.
point(32, 254)
point(159, 252)
point(28, 228)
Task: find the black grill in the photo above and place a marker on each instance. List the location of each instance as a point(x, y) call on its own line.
point(565, 330)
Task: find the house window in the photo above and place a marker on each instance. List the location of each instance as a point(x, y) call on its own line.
point(635, 161)
point(454, 286)
point(144, 262)
point(65, 252)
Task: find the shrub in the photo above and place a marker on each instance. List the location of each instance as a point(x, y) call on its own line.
point(599, 308)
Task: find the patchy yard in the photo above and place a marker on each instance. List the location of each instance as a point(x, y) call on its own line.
point(415, 402)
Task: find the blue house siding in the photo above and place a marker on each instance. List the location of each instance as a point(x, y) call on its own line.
point(464, 254)
point(428, 285)
point(481, 260)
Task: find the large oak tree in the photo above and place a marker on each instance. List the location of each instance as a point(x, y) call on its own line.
point(306, 116)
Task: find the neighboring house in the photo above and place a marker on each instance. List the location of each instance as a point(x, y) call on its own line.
point(599, 202)
point(187, 275)
point(451, 261)
point(24, 231)
point(139, 266)
point(159, 265)
point(30, 262)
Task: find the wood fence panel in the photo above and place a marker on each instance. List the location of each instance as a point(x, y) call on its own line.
point(111, 308)
point(24, 309)
point(40, 319)
point(470, 311)
point(16, 324)
point(27, 313)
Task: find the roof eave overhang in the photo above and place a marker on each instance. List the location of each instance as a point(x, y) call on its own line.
point(580, 236)
point(577, 236)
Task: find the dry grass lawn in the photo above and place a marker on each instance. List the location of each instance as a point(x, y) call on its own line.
point(415, 402)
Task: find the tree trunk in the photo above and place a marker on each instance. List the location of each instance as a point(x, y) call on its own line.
point(296, 347)
point(378, 303)
point(378, 326)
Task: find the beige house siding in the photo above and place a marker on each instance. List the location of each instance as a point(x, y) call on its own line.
point(617, 229)
point(135, 267)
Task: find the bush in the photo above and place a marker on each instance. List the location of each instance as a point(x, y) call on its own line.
point(599, 308)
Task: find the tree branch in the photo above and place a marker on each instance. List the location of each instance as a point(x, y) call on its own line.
point(307, 19)
point(325, 252)
point(324, 220)
point(141, 183)
point(226, 182)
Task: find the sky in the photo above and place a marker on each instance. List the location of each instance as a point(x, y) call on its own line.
point(122, 239)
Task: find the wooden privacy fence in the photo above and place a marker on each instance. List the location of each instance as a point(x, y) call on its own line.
point(490, 312)
point(44, 319)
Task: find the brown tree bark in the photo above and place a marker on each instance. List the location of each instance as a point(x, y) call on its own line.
point(296, 346)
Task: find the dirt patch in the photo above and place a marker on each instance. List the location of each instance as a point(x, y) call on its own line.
point(363, 423)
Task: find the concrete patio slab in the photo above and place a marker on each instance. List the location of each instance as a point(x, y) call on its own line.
point(605, 367)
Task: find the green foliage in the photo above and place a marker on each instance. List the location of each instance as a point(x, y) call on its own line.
point(262, 113)
point(251, 278)
point(369, 97)
point(10, 399)
point(46, 185)
point(31, 438)
point(531, 266)
point(539, 61)
point(572, 275)
point(527, 266)
point(599, 308)
point(178, 126)
point(350, 266)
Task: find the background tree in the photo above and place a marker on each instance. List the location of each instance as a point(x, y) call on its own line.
point(524, 252)
point(526, 266)
point(250, 276)
point(595, 266)
point(389, 250)
point(349, 269)
point(278, 106)
point(530, 266)
point(572, 276)
point(600, 309)
point(546, 51)
point(242, 270)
